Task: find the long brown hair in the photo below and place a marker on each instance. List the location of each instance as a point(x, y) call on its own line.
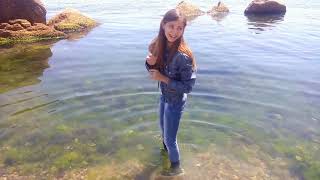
point(159, 44)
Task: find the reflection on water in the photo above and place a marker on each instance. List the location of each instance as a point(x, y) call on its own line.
point(219, 16)
point(22, 65)
point(191, 18)
point(78, 35)
point(263, 22)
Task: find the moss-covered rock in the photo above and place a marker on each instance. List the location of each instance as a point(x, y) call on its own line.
point(189, 10)
point(219, 11)
point(71, 20)
point(219, 8)
point(21, 30)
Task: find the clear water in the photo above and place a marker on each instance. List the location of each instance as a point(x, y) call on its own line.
point(88, 101)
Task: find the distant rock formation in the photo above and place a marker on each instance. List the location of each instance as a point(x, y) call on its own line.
point(71, 20)
point(189, 10)
point(220, 8)
point(219, 12)
point(265, 7)
point(31, 10)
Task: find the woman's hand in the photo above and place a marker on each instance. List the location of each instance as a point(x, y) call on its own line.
point(157, 76)
point(151, 60)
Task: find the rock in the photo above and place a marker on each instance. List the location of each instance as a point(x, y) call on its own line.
point(265, 7)
point(71, 20)
point(4, 25)
point(4, 33)
point(21, 30)
point(31, 10)
point(188, 9)
point(15, 27)
point(29, 29)
point(220, 8)
point(8, 27)
point(40, 26)
point(34, 61)
point(37, 27)
point(23, 22)
point(219, 12)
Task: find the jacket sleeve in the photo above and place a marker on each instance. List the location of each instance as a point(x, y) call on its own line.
point(187, 76)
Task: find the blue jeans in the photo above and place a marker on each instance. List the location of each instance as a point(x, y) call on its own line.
point(170, 115)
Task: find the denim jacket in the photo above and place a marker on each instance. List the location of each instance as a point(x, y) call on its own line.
point(182, 78)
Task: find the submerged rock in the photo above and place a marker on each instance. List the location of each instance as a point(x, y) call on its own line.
point(22, 65)
point(265, 7)
point(31, 10)
point(71, 20)
point(189, 10)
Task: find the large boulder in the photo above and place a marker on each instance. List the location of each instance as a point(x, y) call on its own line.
point(265, 7)
point(31, 10)
point(71, 20)
point(189, 10)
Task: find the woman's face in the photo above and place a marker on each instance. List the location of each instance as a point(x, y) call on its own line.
point(173, 30)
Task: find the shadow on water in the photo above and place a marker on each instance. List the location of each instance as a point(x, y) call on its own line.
point(22, 65)
point(263, 22)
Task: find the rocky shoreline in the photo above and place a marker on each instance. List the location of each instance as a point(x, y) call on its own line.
point(25, 21)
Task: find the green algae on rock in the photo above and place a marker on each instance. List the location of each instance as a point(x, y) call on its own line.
point(71, 20)
point(21, 30)
point(68, 21)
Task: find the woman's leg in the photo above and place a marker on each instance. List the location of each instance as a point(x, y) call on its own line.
point(172, 116)
point(161, 114)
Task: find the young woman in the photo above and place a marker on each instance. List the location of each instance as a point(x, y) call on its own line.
point(171, 63)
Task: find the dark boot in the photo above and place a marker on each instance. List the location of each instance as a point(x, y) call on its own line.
point(174, 170)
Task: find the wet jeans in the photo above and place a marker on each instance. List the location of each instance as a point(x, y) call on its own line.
point(170, 115)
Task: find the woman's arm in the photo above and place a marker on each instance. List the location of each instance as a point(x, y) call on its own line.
point(187, 74)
